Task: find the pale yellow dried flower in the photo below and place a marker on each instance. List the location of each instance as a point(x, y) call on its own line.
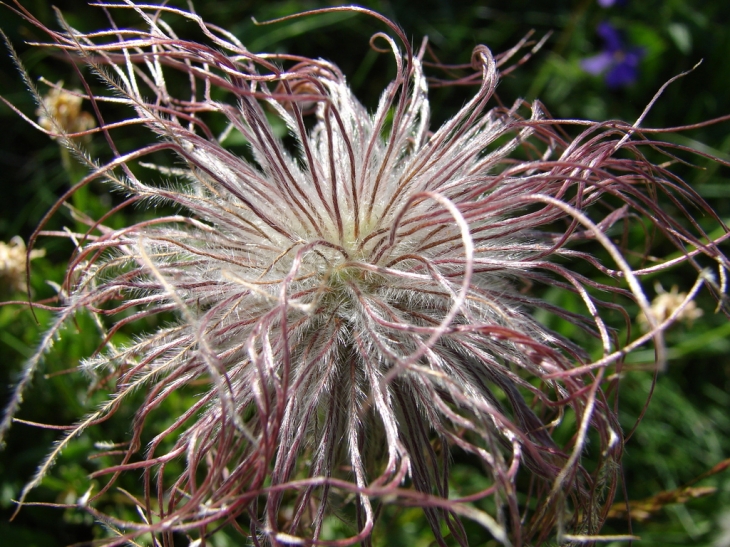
point(666, 303)
point(12, 264)
point(61, 112)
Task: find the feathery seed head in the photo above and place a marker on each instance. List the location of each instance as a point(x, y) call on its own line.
point(357, 309)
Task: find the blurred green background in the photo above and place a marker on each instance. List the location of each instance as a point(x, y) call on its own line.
point(686, 430)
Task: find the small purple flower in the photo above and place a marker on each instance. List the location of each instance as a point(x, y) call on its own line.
point(618, 62)
point(610, 3)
